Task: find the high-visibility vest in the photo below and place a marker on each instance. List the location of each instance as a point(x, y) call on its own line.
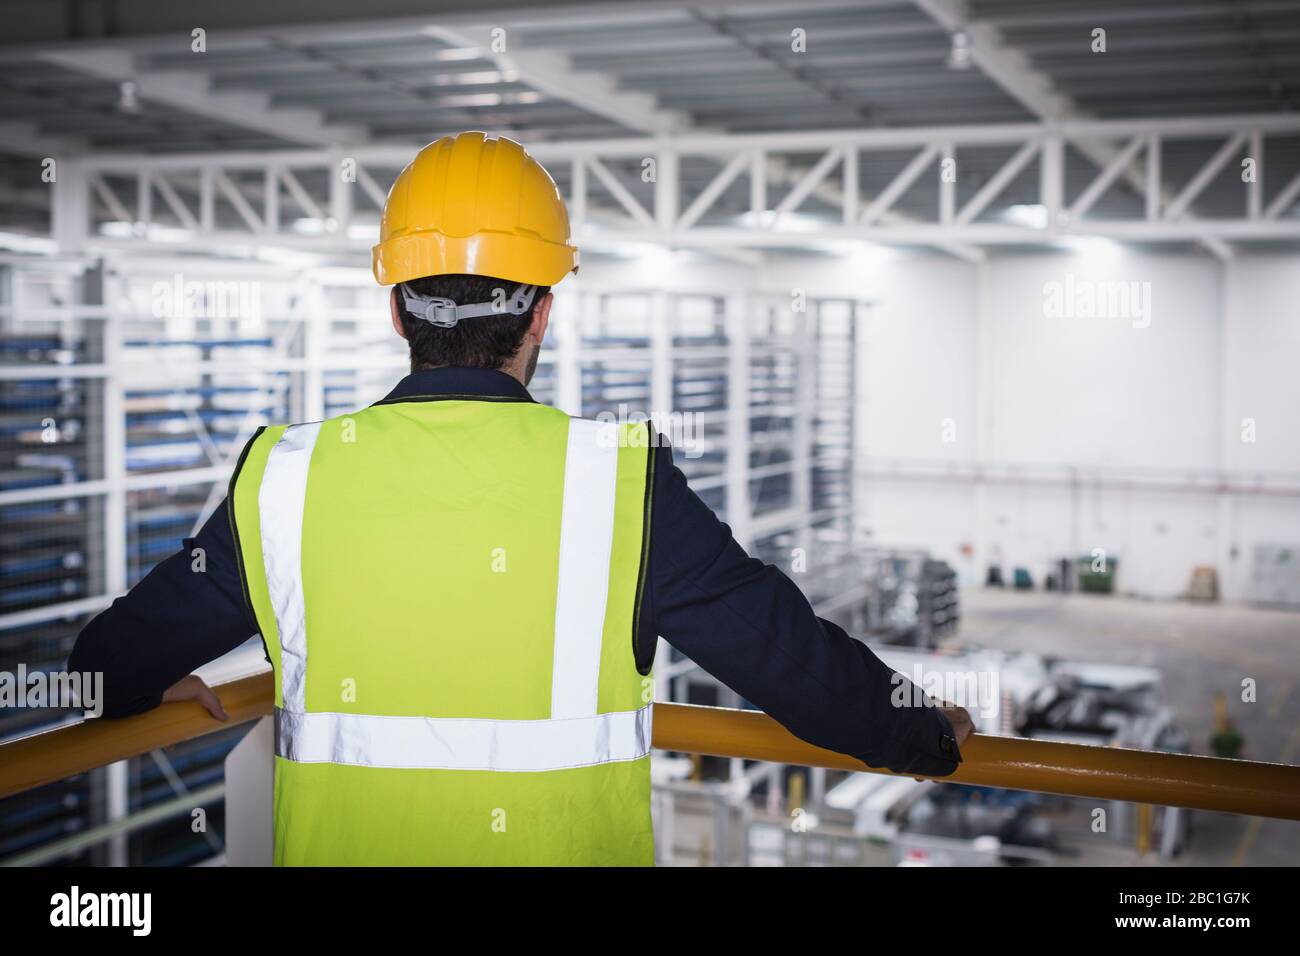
point(448, 590)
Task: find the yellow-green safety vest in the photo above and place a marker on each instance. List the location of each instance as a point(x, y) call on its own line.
point(448, 590)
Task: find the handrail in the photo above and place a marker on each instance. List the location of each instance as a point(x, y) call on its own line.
point(1106, 773)
point(63, 752)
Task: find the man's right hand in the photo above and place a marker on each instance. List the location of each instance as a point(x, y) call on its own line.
point(962, 725)
point(959, 717)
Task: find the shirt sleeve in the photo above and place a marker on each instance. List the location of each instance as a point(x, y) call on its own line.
point(751, 627)
point(187, 611)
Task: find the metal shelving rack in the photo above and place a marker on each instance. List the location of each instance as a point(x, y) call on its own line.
point(49, 547)
point(148, 400)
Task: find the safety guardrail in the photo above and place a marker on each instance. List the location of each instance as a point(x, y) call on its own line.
point(1105, 773)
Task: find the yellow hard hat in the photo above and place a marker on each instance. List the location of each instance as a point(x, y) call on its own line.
point(477, 205)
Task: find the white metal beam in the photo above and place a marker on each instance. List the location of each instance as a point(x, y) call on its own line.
point(745, 237)
point(241, 204)
point(725, 144)
point(109, 199)
point(808, 182)
point(716, 187)
point(191, 91)
point(1283, 200)
point(1196, 185)
point(1108, 174)
point(997, 182)
point(554, 74)
point(900, 184)
point(300, 195)
point(175, 203)
point(1032, 88)
point(1003, 64)
point(619, 192)
point(778, 170)
point(767, 156)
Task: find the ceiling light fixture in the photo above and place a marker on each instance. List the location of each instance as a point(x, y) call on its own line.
point(959, 55)
point(128, 99)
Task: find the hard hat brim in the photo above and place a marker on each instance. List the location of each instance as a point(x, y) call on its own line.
point(523, 259)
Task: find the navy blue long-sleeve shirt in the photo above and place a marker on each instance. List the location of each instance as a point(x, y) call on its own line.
point(743, 621)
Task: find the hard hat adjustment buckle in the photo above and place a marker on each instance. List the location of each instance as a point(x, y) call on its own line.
point(445, 313)
point(441, 312)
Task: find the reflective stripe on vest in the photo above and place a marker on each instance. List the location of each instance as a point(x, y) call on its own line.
point(280, 504)
point(574, 736)
point(451, 743)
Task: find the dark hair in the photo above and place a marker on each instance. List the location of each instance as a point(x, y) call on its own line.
point(486, 341)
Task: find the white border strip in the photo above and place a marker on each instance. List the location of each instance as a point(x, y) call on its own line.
point(452, 743)
point(280, 503)
point(586, 540)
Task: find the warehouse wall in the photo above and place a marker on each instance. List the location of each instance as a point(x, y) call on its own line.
point(1076, 407)
point(1263, 358)
point(1120, 391)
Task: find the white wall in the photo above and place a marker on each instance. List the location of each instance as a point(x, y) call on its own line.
point(1263, 362)
point(1110, 391)
point(1119, 398)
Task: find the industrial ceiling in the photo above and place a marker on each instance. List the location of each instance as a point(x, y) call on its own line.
point(102, 77)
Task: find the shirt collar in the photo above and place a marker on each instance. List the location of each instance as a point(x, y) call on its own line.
point(484, 382)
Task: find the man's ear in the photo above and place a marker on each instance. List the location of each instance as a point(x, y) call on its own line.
point(541, 318)
point(397, 317)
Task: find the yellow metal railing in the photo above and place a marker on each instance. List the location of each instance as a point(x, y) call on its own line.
point(1105, 773)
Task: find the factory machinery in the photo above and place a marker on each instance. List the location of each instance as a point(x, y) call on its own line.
point(128, 386)
point(1019, 694)
point(913, 598)
point(763, 814)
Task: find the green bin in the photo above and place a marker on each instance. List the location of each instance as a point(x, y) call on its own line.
point(1097, 582)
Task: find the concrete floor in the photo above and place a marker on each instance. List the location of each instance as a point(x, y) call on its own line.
point(1201, 650)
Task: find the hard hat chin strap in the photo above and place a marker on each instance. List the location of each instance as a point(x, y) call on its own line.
point(445, 313)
